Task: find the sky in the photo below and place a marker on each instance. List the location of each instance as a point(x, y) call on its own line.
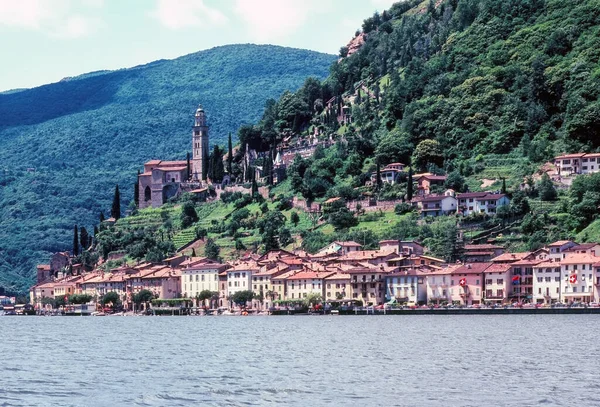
point(43, 41)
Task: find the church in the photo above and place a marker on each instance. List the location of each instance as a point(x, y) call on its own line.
point(162, 180)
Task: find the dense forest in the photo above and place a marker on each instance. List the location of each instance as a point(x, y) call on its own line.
point(64, 146)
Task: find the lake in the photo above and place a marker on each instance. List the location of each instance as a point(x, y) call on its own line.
point(480, 360)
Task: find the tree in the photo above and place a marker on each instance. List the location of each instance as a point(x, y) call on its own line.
point(115, 211)
point(455, 181)
point(394, 147)
point(285, 237)
point(136, 189)
point(212, 250)
point(144, 296)
point(229, 156)
point(75, 241)
point(112, 298)
point(239, 245)
point(428, 152)
point(101, 216)
point(79, 298)
point(269, 227)
point(200, 232)
point(188, 215)
point(340, 216)
point(503, 190)
point(84, 238)
point(409, 185)
point(241, 298)
point(546, 188)
point(294, 218)
point(204, 295)
point(520, 203)
point(188, 167)
point(216, 169)
point(312, 299)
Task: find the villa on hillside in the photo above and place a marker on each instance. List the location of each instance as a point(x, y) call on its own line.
point(578, 163)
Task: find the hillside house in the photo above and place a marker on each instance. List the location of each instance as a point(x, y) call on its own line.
point(480, 202)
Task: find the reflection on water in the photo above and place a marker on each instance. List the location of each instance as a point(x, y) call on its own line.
point(524, 360)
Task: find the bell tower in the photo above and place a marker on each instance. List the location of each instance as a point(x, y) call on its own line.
point(199, 145)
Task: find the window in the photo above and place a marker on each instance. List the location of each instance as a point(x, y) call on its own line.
point(489, 281)
point(557, 279)
point(500, 293)
point(574, 289)
point(328, 294)
point(477, 282)
point(500, 281)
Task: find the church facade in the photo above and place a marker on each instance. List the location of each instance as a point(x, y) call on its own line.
point(162, 180)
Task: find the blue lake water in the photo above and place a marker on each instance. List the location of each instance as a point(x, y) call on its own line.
point(498, 360)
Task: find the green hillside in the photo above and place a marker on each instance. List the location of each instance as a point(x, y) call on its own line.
point(64, 146)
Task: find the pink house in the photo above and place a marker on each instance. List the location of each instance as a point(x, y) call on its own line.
point(466, 283)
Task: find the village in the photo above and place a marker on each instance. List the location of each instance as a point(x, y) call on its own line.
point(399, 273)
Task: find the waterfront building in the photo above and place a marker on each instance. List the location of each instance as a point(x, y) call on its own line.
point(303, 283)
point(466, 283)
point(337, 287)
point(579, 277)
point(367, 283)
point(239, 277)
point(496, 280)
point(547, 281)
point(199, 276)
point(262, 285)
point(402, 287)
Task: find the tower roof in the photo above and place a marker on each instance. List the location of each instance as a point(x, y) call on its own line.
point(200, 110)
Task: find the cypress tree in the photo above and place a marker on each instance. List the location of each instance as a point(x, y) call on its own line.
point(503, 185)
point(75, 241)
point(189, 168)
point(230, 157)
point(378, 176)
point(409, 186)
point(136, 191)
point(115, 211)
point(95, 231)
point(84, 238)
point(101, 216)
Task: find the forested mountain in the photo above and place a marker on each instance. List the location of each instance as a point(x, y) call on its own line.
point(65, 145)
point(480, 90)
point(476, 76)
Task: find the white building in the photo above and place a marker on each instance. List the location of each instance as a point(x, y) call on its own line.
point(547, 282)
point(578, 163)
point(437, 205)
point(239, 278)
point(579, 277)
point(480, 202)
point(201, 277)
point(402, 287)
point(557, 248)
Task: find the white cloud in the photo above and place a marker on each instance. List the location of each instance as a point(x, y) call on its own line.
point(53, 17)
point(186, 13)
point(270, 20)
